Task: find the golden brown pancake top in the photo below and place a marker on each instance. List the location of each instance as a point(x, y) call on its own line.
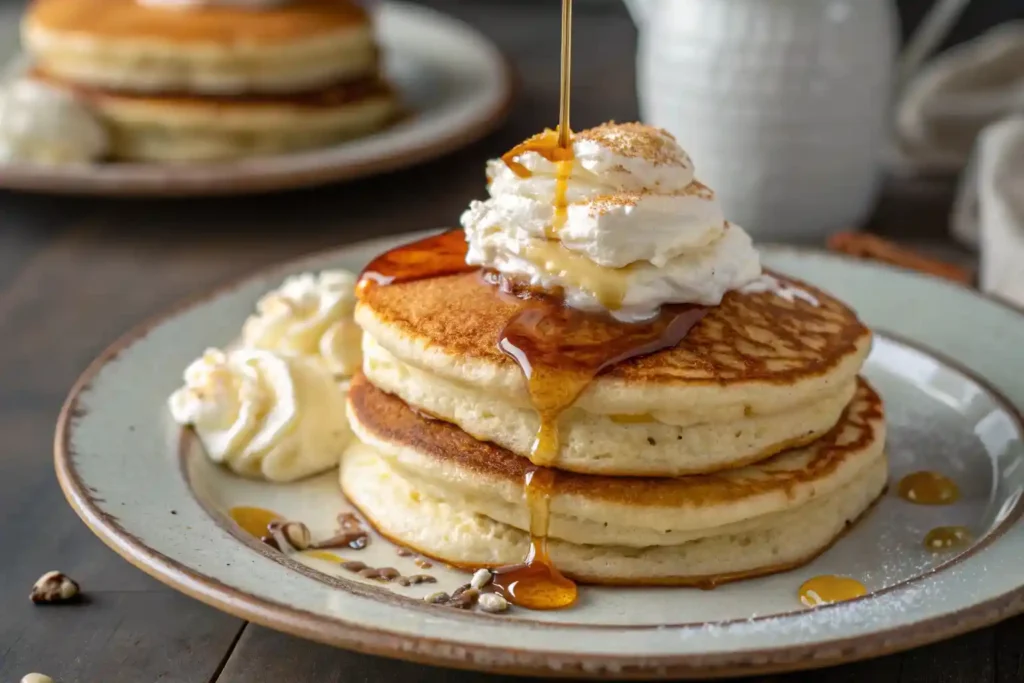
point(749, 337)
point(392, 421)
point(130, 19)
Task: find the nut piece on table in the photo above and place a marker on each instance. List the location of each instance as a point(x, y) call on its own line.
point(54, 587)
point(36, 678)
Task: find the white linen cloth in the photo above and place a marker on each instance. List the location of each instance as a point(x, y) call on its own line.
point(964, 112)
point(989, 211)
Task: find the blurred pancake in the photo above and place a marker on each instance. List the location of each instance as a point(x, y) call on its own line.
point(130, 45)
point(174, 127)
point(759, 374)
point(429, 485)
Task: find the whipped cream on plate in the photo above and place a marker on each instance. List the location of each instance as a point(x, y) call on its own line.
point(310, 315)
point(43, 125)
point(635, 230)
point(264, 414)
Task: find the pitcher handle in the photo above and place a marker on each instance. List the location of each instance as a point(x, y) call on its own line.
point(936, 25)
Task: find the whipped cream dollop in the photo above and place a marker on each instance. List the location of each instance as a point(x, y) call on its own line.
point(264, 414)
point(43, 125)
point(623, 226)
point(310, 315)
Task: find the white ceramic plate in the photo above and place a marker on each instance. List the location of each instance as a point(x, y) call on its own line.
point(146, 490)
point(456, 83)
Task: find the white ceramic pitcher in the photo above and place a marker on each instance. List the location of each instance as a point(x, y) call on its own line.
point(784, 105)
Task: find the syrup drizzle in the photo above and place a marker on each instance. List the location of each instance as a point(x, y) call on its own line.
point(547, 145)
point(945, 538)
point(560, 351)
point(537, 583)
point(929, 488)
point(434, 256)
point(824, 590)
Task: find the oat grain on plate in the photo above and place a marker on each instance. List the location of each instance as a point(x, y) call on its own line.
point(493, 603)
point(481, 578)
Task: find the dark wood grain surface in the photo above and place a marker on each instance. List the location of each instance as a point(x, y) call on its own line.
point(75, 274)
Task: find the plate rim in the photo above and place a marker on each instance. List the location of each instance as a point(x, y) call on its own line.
point(231, 181)
point(496, 659)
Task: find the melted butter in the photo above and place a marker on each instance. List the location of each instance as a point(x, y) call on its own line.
point(929, 488)
point(607, 285)
point(323, 555)
point(253, 520)
point(824, 590)
point(947, 538)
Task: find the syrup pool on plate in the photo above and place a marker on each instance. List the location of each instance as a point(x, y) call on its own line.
point(929, 488)
point(825, 590)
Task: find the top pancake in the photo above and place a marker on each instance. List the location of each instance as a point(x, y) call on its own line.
point(132, 20)
point(755, 353)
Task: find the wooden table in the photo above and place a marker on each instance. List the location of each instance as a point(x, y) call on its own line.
point(74, 274)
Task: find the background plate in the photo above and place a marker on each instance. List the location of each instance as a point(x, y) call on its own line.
point(456, 83)
point(119, 464)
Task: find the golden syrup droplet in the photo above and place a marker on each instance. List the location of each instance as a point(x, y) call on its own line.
point(254, 521)
point(947, 538)
point(929, 488)
point(824, 590)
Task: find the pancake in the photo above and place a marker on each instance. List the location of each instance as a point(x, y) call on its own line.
point(759, 374)
point(428, 485)
point(180, 127)
point(128, 45)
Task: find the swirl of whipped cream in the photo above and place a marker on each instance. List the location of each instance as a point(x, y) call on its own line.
point(43, 125)
point(310, 315)
point(637, 231)
point(263, 414)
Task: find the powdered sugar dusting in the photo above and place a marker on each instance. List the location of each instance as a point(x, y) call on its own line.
point(770, 284)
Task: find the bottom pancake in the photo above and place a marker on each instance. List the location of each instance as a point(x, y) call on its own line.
point(461, 537)
point(428, 485)
point(190, 128)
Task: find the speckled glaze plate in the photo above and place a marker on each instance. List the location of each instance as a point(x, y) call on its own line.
point(455, 83)
point(947, 361)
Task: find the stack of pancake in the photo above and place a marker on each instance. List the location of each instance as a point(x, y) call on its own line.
point(180, 81)
point(745, 449)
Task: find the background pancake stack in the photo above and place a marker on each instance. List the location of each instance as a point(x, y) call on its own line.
point(175, 82)
point(745, 449)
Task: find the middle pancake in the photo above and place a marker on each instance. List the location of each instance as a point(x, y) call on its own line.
point(760, 374)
